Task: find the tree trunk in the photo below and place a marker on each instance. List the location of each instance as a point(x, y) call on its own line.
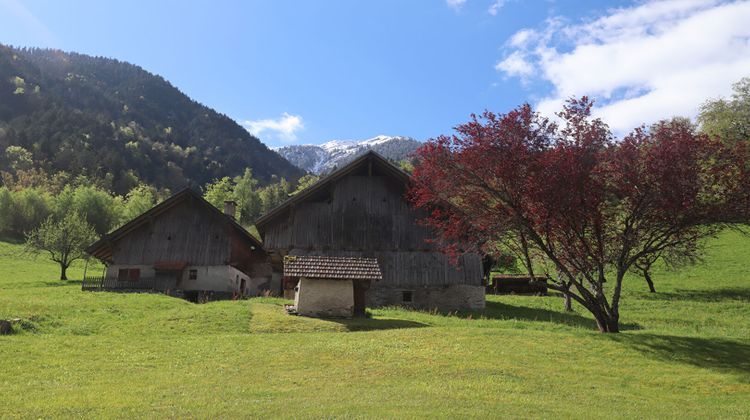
point(568, 303)
point(63, 276)
point(649, 281)
point(607, 324)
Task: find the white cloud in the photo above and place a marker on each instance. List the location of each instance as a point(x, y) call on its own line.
point(642, 63)
point(495, 7)
point(455, 4)
point(521, 38)
point(516, 65)
point(283, 128)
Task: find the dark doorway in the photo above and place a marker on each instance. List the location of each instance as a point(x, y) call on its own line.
point(407, 296)
point(242, 288)
point(168, 279)
point(360, 289)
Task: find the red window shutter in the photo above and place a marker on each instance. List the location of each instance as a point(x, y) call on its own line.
point(135, 274)
point(122, 274)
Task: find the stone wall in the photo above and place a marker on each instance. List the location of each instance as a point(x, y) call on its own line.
point(325, 298)
point(443, 298)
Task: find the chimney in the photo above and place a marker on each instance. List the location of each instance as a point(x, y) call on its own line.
point(230, 208)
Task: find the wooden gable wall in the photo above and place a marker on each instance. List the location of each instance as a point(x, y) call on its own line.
point(186, 232)
point(364, 213)
point(367, 215)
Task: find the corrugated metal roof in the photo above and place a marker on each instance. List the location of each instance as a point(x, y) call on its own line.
point(321, 267)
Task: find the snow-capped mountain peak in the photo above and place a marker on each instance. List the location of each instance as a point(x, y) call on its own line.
point(322, 158)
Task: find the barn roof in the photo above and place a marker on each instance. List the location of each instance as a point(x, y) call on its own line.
point(102, 248)
point(370, 158)
point(324, 267)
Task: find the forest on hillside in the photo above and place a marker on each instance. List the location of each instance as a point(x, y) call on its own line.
point(65, 115)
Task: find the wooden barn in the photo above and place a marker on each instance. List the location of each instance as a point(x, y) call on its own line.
point(184, 246)
point(360, 211)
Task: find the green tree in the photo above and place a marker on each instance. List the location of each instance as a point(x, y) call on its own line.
point(139, 200)
point(406, 165)
point(30, 207)
point(101, 209)
point(286, 188)
point(274, 194)
point(305, 182)
point(63, 240)
point(6, 211)
point(21, 211)
point(247, 196)
point(63, 202)
point(19, 158)
point(219, 191)
point(728, 119)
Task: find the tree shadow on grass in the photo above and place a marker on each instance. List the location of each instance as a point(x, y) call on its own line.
point(11, 240)
point(56, 283)
point(497, 310)
point(716, 354)
point(710, 295)
point(372, 324)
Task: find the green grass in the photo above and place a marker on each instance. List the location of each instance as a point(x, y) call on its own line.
point(684, 352)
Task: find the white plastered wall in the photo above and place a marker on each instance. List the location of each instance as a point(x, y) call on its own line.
point(321, 298)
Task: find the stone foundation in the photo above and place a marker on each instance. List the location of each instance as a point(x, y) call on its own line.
point(444, 298)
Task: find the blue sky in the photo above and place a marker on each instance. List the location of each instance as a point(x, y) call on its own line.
point(313, 71)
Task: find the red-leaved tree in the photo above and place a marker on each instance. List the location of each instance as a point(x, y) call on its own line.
point(589, 206)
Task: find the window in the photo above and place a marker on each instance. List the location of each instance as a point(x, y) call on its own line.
point(407, 296)
point(128, 274)
point(192, 274)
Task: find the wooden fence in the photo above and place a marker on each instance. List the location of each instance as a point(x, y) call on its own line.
point(92, 283)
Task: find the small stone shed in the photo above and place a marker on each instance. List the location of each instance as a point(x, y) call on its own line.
point(331, 286)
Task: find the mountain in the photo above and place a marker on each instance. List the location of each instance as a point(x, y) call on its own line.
point(116, 123)
point(323, 158)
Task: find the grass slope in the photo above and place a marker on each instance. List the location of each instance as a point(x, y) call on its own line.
point(685, 352)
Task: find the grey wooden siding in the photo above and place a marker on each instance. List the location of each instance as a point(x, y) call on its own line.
point(409, 269)
point(187, 232)
point(363, 213)
point(368, 216)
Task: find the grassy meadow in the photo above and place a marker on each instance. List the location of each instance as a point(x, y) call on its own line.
point(683, 352)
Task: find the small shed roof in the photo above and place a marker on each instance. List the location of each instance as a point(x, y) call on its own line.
point(323, 267)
